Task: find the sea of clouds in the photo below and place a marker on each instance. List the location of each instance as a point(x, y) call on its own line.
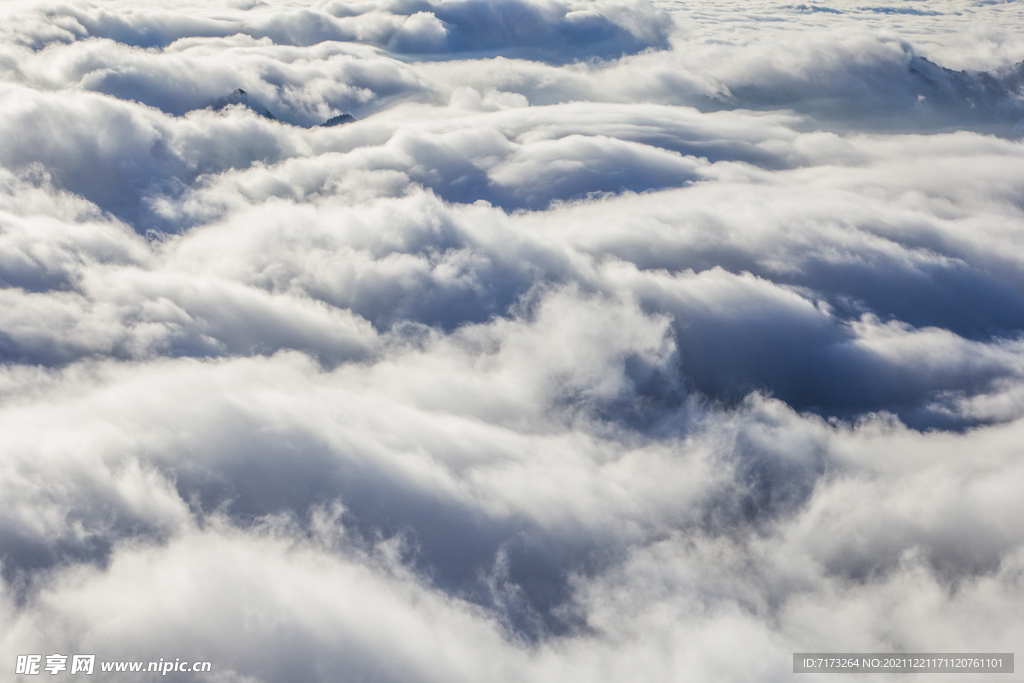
point(612, 341)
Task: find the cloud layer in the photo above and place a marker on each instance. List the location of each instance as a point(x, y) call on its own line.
point(610, 341)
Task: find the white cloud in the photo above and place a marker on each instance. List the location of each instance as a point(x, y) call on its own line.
point(612, 340)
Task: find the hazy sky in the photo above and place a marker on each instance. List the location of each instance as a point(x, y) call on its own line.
point(613, 341)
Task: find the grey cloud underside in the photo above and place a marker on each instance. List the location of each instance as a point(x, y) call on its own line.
point(607, 337)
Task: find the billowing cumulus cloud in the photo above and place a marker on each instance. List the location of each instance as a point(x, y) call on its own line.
point(540, 340)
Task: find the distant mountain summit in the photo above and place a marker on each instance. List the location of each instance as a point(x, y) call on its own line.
point(338, 120)
point(241, 97)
